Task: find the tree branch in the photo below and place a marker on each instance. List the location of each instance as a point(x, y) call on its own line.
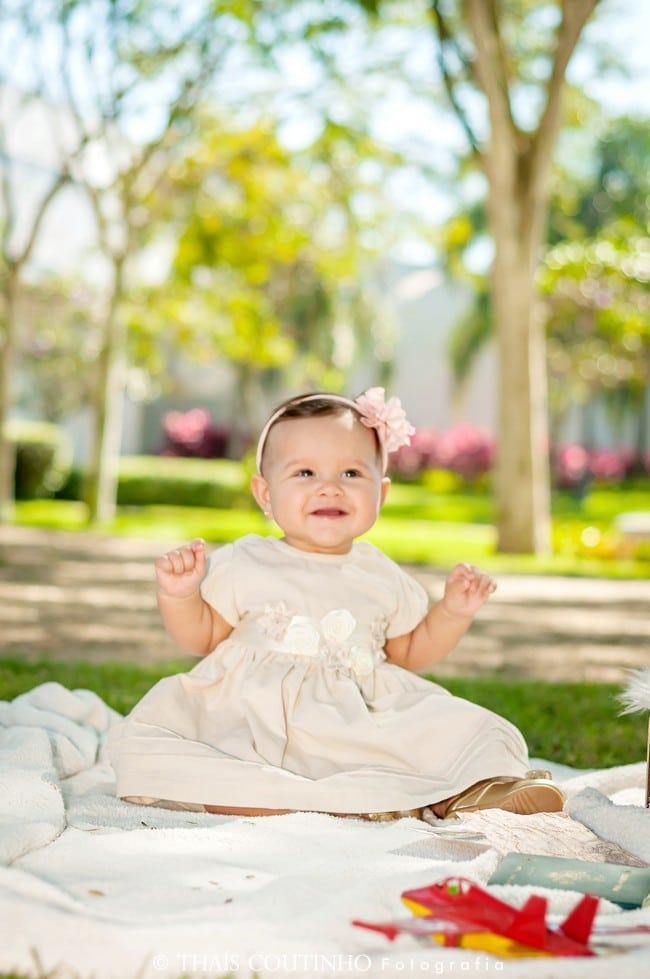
point(489, 66)
point(450, 81)
point(45, 202)
point(575, 14)
point(7, 225)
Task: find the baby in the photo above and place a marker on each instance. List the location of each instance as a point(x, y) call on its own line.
point(308, 695)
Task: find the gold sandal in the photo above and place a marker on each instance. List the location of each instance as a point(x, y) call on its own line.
point(387, 817)
point(523, 796)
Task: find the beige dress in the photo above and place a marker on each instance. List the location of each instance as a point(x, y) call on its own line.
point(298, 708)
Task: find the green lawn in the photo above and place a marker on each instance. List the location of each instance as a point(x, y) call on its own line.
point(573, 723)
point(430, 522)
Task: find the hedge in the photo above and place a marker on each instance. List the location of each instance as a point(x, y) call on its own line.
point(163, 480)
point(43, 458)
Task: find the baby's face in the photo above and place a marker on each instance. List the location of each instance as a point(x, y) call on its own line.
point(322, 481)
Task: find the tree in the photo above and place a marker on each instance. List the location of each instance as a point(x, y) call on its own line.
point(500, 51)
point(268, 263)
point(118, 83)
point(131, 75)
point(21, 217)
point(592, 280)
point(503, 66)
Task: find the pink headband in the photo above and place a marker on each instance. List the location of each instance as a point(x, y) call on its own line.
point(386, 417)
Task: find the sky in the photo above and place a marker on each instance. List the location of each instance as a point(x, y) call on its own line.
point(625, 25)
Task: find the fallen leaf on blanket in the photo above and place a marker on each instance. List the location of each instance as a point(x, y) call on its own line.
point(96, 893)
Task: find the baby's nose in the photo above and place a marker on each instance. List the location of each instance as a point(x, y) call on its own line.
point(330, 486)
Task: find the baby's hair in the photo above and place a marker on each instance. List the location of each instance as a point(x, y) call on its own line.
point(306, 406)
point(316, 404)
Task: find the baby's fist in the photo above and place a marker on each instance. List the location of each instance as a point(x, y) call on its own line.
point(466, 589)
point(180, 572)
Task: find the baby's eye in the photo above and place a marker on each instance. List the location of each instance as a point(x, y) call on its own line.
point(351, 473)
point(304, 472)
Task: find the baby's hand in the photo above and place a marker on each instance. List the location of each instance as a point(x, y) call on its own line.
point(466, 589)
point(179, 573)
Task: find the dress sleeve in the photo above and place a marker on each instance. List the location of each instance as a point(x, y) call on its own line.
point(218, 585)
point(411, 604)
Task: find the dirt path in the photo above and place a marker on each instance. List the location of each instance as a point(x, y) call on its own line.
point(69, 596)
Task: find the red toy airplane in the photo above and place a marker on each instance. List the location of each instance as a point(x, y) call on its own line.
point(456, 912)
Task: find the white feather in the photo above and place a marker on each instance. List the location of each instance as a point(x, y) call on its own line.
point(636, 696)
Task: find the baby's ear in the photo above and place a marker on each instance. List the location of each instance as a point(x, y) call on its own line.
point(385, 486)
point(260, 490)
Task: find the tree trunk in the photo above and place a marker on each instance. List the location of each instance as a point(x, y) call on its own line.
point(101, 485)
point(7, 357)
point(522, 483)
point(516, 163)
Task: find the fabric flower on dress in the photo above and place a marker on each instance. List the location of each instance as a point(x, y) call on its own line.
point(302, 636)
point(329, 638)
point(338, 625)
point(361, 660)
point(274, 620)
point(387, 417)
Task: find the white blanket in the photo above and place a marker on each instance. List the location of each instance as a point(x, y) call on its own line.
point(94, 887)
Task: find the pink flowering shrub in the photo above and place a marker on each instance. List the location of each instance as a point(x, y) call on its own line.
point(611, 465)
point(464, 449)
point(576, 466)
point(470, 451)
point(571, 466)
point(193, 433)
point(467, 451)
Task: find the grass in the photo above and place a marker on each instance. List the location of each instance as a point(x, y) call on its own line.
point(431, 522)
point(574, 724)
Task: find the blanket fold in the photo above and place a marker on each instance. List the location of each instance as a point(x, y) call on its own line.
point(628, 826)
point(46, 736)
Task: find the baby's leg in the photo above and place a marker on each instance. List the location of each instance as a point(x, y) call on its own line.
point(245, 811)
point(145, 800)
point(381, 816)
point(142, 800)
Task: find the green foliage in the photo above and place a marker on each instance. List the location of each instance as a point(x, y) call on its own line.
point(597, 295)
point(612, 185)
point(43, 458)
point(145, 481)
point(595, 279)
point(268, 257)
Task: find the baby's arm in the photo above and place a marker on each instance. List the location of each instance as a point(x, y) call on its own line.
point(187, 617)
point(466, 589)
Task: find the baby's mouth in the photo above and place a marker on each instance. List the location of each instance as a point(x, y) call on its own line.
point(328, 512)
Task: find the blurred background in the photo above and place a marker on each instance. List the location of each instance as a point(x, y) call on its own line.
point(206, 206)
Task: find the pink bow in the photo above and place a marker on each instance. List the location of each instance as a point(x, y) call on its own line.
point(387, 417)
